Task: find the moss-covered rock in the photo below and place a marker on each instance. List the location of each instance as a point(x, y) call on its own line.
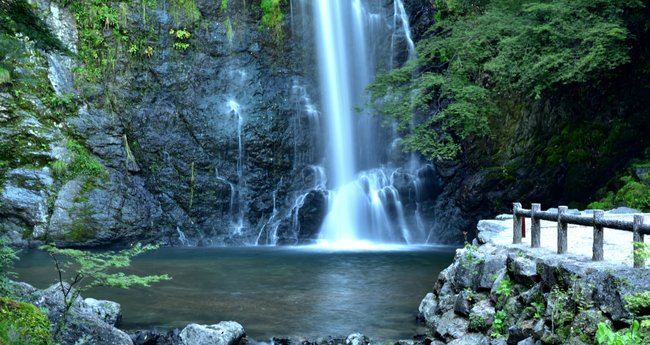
point(22, 323)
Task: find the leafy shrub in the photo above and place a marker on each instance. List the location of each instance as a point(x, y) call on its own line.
point(499, 324)
point(92, 269)
point(505, 288)
point(476, 322)
point(635, 335)
point(633, 193)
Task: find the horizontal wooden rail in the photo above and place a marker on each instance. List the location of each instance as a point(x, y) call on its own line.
point(563, 218)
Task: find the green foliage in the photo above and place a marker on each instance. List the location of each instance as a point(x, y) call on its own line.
point(224, 5)
point(83, 163)
point(185, 12)
point(59, 168)
point(641, 252)
point(5, 76)
point(61, 106)
point(23, 324)
point(505, 288)
point(499, 324)
point(180, 38)
point(230, 34)
point(476, 322)
point(272, 17)
point(560, 313)
point(480, 54)
point(639, 305)
point(86, 270)
point(635, 335)
point(471, 255)
point(93, 269)
point(100, 37)
point(539, 309)
point(7, 258)
point(633, 192)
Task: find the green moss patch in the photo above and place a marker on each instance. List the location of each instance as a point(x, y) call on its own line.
point(22, 323)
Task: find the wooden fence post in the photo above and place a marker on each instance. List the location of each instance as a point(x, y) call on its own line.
point(598, 251)
point(535, 227)
point(637, 237)
point(516, 223)
point(561, 230)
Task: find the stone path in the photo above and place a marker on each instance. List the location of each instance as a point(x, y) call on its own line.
point(617, 243)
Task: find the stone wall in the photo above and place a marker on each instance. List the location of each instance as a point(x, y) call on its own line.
point(494, 294)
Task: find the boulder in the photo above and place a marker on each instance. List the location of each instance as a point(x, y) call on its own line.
point(108, 311)
point(428, 307)
point(446, 298)
point(462, 304)
point(524, 270)
point(222, 333)
point(83, 325)
point(148, 337)
point(527, 341)
point(489, 229)
point(485, 310)
point(357, 339)
point(24, 202)
point(311, 215)
point(520, 331)
point(501, 275)
point(586, 324)
point(471, 339)
point(449, 326)
point(494, 263)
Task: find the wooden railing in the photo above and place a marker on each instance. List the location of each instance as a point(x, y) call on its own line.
point(563, 219)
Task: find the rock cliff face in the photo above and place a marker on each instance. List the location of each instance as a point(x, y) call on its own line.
point(211, 143)
point(493, 294)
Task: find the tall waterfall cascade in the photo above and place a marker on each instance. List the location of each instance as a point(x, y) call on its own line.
point(352, 40)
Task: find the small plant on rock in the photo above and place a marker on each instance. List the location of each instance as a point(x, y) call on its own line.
point(499, 324)
point(472, 257)
point(559, 314)
point(641, 252)
point(476, 322)
point(539, 310)
point(181, 38)
point(80, 270)
point(631, 336)
point(505, 289)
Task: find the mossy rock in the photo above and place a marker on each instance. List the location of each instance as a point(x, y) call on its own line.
point(22, 323)
point(585, 325)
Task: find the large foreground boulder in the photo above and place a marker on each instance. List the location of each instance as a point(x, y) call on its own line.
point(223, 333)
point(85, 323)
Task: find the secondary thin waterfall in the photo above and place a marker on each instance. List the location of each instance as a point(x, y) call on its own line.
point(364, 205)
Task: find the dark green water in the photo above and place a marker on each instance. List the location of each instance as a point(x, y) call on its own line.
point(273, 291)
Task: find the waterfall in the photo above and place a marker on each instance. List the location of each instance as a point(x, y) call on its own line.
point(237, 209)
point(181, 236)
point(364, 205)
point(401, 30)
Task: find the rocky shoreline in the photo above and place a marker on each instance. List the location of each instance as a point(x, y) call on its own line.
point(492, 293)
point(513, 294)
